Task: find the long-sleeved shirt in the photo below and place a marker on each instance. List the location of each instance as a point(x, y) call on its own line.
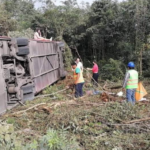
point(127, 76)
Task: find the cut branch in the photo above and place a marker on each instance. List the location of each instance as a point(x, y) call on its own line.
point(23, 111)
point(138, 120)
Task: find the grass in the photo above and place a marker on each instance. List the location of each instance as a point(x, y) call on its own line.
point(93, 127)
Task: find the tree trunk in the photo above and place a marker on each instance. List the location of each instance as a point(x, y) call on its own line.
point(140, 63)
point(103, 50)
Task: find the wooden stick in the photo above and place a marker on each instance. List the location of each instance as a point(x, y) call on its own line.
point(22, 111)
point(78, 54)
point(21, 103)
point(120, 124)
point(105, 86)
point(56, 104)
point(129, 125)
point(138, 120)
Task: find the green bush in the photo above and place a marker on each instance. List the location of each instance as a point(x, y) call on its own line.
point(54, 140)
point(113, 70)
point(8, 138)
point(28, 33)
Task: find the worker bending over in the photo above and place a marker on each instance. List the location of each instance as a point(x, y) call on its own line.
point(78, 80)
point(130, 83)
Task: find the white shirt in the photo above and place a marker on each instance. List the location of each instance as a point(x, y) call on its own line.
point(80, 65)
point(36, 36)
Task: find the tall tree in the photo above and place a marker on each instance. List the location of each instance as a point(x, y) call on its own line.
point(22, 11)
point(140, 17)
point(6, 22)
point(62, 18)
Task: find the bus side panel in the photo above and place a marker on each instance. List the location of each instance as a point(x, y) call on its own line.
point(3, 92)
point(44, 63)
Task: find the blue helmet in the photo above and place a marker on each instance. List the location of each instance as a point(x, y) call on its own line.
point(131, 64)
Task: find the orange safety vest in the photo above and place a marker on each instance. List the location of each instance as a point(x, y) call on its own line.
point(140, 92)
point(75, 75)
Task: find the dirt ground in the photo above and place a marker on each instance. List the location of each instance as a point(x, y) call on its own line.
point(98, 122)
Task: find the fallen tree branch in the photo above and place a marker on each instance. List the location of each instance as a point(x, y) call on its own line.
point(109, 124)
point(138, 120)
point(23, 111)
point(94, 104)
point(55, 104)
point(104, 87)
point(128, 125)
point(21, 103)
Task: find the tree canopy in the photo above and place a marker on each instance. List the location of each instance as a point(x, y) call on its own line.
point(107, 30)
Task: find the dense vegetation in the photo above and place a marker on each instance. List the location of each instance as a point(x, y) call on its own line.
point(111, 32)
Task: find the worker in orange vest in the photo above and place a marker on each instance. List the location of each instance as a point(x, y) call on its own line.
point(130, 83)
point(78, 80)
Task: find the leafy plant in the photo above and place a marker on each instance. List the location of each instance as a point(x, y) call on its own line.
point(54, 140)
point(32, 146)
point(28, 33)
point(8, 138)
point(113, 70)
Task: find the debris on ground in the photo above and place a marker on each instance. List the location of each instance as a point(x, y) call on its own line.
point(102, 120)
point(105, 97)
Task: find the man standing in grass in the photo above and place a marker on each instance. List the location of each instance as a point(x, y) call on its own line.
point(131, 83)
point(78, 80)
point(79, 64)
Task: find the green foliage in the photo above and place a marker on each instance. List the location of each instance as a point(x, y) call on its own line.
point(67, 57)
point(113, 30)
point(22, 11)
point(113, 70)
point(6, 22)
point(10, 120)
point(54, 140)
point(106, 29)
point(63, 17)
point(104, 126)
point(32, 146)
point(54, 89)
point(50, 89)
point(28, 33)
point(58, 141)
point(8, 138)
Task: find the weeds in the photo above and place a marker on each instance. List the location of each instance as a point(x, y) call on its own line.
point(79, 125)
point(54, 140)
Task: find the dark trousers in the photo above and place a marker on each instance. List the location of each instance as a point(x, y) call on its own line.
point(95, 79)
point(78, 90)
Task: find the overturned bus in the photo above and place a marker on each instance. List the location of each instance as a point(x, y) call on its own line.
point(26, 68)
